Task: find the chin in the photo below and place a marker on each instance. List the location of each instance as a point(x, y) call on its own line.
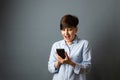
point(68, 40)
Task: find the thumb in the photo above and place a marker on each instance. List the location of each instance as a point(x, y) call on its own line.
point(66, 54)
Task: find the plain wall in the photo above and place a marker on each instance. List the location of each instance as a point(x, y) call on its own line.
point(30, 27)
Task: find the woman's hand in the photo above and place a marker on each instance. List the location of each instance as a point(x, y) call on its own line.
point(67, 60)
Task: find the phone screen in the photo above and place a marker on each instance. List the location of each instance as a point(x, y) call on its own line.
point(61, 52)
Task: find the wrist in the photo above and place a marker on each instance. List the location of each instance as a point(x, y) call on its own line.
point(72, 64)
point(56, 64)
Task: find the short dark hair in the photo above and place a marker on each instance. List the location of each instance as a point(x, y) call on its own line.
point(68, 21)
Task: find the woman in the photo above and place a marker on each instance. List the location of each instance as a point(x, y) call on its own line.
point(77, 59)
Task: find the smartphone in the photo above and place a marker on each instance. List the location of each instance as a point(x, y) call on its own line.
point(61, 53)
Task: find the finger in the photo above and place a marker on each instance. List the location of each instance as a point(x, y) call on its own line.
point(66, 55)
point(58, 57)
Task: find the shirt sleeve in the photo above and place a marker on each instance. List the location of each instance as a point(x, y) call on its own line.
point(51, 61)
point(85, 65)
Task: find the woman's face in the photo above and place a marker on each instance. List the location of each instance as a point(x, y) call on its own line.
point(69, 34)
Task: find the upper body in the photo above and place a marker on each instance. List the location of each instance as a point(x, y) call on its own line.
point(77, 59)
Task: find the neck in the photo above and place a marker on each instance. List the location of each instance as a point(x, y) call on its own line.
point(68, 43)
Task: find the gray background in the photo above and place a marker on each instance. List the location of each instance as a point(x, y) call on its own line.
point(30, 27)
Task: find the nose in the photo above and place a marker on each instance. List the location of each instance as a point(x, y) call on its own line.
point(66, 31)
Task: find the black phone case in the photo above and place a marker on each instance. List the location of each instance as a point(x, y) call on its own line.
point(61, 53)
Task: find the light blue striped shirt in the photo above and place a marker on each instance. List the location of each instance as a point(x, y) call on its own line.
point(79, 52)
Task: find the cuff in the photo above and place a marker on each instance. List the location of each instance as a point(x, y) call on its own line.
point(77, 69)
